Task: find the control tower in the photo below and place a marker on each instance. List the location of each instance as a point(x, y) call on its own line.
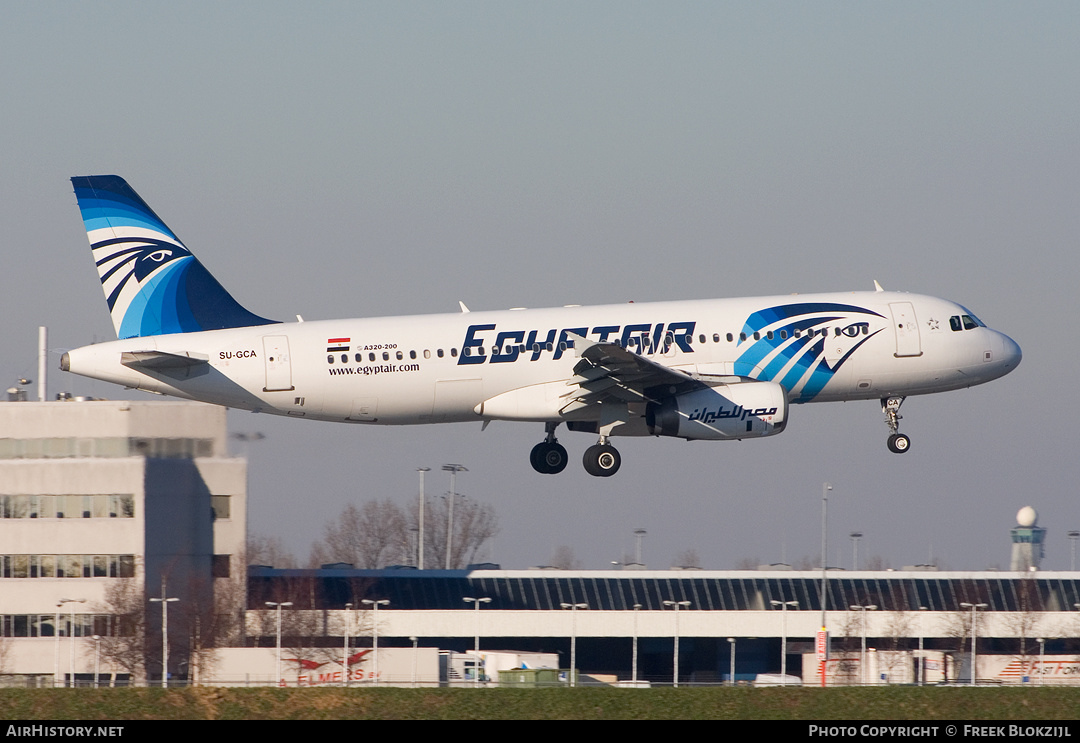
point(1027, 541)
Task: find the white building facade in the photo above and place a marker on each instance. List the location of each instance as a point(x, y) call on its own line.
point(102, 503)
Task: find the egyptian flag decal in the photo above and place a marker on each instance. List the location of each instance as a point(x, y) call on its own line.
point(337, 344)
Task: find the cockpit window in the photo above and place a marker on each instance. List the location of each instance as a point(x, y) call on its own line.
point(969, 323)
point(965, 322)
point(954, 323)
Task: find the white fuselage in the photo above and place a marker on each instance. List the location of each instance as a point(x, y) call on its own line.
point(517, 364)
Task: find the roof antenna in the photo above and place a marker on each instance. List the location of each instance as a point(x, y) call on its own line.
point(877, 286)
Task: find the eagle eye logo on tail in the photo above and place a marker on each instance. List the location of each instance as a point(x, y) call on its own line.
point(152, 283)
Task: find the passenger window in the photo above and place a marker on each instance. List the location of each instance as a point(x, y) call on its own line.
point(371, 356)
point(769, 335)
point(399, 355)
point(344, 358)
point(359, 358)
point(453, 352)
point(742, 336)
point(730, 337)
point(701, 338)
point(783, 335)
point(439, 353)
point(412, 354)
point(427, 354)
point(716, 337)
point(329, 359)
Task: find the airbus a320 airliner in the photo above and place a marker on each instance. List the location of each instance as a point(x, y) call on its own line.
point(713, 369)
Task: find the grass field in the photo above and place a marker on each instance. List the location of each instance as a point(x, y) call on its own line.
point(892, 703)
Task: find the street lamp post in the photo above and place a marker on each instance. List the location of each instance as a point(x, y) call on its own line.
point(573, 638)
point(345, 646)
point(56, 644)
point(731, 673)
point(375, 631)
point(862, 659)
point(974, 634)
point(1042, 651)
point(921, 667)
point(783, 635)
point(164, 601)
point(453, 469)
point(1073, 536)
point(676, 605)
point(420, 520)
point(476, 641)
point(825, 488)
point(279, 605)
point(633, 661)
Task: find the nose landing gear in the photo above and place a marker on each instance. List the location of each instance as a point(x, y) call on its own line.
point(897, 442)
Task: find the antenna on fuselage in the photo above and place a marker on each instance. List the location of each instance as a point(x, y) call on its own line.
point(877, 286)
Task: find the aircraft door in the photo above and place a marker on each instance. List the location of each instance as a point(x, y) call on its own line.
point(278, 363)
point(906, 327)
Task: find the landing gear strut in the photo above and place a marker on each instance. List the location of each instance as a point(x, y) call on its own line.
point(549, 456)
point(602, 459)
point(897, 442)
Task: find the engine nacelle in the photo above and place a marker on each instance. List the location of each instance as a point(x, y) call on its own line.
point(732, 411)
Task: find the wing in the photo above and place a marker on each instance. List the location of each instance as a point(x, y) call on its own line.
point(608, 372)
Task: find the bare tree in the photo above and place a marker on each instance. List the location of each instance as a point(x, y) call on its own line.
point(563, 558)
point(473, 525)
point(688, 559)
point(123, 641)
point(264, 550)
point(370, 536)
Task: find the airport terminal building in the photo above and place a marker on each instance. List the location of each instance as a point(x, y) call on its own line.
point(103, 501)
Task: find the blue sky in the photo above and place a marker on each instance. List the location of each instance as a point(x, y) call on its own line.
point(382, 158)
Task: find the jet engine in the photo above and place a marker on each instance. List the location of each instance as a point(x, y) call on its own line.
point(732, 411)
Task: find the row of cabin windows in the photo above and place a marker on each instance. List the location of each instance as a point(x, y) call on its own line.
point(643, 342)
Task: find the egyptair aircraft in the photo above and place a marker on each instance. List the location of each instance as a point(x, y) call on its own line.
point(713, 369)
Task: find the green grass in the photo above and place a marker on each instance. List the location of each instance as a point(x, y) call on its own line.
point(892, 703)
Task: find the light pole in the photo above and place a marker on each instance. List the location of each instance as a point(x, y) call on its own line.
point(279, 605)
point(164, 601)
point(855, 537)
point(420, 520)
point(56, 644)
point(97, 659)
point(375, 632)
point(573, 638)
point(1073, 536)
point(414, 640)
point(783, 635)
point(1042, 651)
point(676, 605)
point(476, 642)
point(974, 657)
point(862, 659)
point(825, 488)
point(633, 661)
point(921, 668)
point(453, 469)
point(731, 673)
point(345, 646)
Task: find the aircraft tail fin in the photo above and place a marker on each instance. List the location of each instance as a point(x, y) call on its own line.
point(153, 284)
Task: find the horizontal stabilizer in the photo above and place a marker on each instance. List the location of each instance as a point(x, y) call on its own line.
point(162, 359)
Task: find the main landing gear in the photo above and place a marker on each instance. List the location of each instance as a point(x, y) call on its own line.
point(897, 442)
point(550, 458)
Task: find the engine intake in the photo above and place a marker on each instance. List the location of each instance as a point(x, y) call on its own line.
point(733, 411)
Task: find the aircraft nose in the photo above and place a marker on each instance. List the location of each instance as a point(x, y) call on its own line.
point(1010, 353)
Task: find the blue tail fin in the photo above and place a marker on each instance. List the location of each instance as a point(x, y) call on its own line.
point(153, 284)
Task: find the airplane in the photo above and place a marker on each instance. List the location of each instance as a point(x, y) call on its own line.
point(713, 369)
